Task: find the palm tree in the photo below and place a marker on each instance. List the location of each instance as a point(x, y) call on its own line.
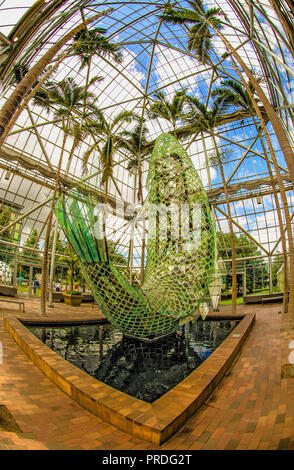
point(135, 142)
point(63, 98)
point(86, 44)
point(170, 110)
point(12, 104)
point(203, 119)
point(89, 43)
point(72, 105)
point(205, 24)
point(184, 131)
point(70, 259)
point(105, 133)
point(234, 93)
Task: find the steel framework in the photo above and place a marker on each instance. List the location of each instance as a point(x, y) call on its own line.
point(156, 58)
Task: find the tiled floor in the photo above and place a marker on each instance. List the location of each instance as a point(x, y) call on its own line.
point(251, 409)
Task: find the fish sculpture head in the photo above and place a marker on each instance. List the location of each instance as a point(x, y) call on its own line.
point(180, 249)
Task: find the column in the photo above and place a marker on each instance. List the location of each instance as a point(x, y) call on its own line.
point(15, 270)
point(270, 268)
point(244, 280)
point(52, 266)
point(30, 292)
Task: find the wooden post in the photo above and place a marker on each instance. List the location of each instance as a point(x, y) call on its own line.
point(244, 280)
point(52, 266)
point(15, 270)
point(270, 267)
point(30, 292)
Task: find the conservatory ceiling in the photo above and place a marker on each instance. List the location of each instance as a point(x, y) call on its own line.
point(155, 59)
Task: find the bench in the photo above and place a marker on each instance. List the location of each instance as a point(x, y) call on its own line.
point(9, 291)
point(272, 299)
point(19, 302)
point(262, 298)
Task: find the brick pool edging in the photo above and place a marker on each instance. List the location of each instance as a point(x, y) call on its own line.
point(154, 422)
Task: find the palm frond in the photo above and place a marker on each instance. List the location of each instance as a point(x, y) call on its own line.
point(236, 94)
point(106, 157)
point(196, 105)
point(88, 43)
point(41, 99)
point(167, 109)
point(95, 79)
point(202, 22)
point(197, 5)
point(199, 41)
point(88, 153)
point(96, 115)
point(19, 71)
point(124, 116)
point(180, 17)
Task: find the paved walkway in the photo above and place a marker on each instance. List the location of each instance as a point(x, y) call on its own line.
point(253, 408)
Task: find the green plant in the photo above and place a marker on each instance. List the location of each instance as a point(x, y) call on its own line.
point(73, 292)
point(73, 270)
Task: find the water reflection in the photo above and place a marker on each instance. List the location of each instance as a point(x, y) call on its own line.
point(143, 370)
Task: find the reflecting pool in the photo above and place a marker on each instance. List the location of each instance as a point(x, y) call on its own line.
point(143, 370)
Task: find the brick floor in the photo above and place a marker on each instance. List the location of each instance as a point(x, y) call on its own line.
point(253, 408)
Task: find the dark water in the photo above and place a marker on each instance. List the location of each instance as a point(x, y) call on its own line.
point(143, 370)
